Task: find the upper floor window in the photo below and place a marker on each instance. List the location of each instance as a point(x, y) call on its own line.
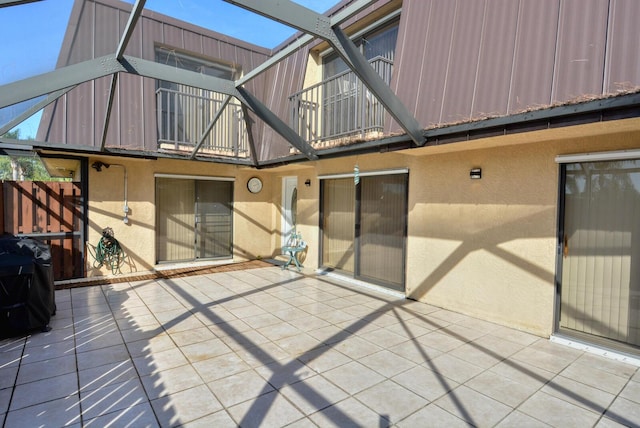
point(199, 65)
point(374, 44)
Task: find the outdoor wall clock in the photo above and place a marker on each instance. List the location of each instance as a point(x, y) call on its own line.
point(254, 185)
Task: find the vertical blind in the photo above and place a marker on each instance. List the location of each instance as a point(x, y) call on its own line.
point(363, 231)
point(175, 220)
point(193, 219)
point(338, 227)
point(600, 289)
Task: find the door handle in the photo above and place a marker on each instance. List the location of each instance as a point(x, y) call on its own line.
point(565, 246)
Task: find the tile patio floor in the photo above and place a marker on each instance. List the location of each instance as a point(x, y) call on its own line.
point(266, 347)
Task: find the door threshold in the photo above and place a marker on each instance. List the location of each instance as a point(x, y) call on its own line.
point(359, 283)
point(597, 350)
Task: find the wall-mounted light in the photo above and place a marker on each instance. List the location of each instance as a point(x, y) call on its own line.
point(475, 173)
point(307, 182)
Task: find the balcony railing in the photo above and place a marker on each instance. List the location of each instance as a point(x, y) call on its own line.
point(339, 107)
point(183, 116)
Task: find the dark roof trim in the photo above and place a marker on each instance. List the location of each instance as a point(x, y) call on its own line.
point(599, 110)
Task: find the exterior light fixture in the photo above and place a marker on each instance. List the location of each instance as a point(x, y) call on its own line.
point(475, 173)
point(307, 182)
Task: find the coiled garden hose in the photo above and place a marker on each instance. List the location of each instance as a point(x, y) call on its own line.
point(108, 252)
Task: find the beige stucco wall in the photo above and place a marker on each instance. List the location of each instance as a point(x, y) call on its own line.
point(485, 247)
point(253, 220)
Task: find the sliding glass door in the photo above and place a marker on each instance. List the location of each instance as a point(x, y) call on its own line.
point(600, 257)
point(364, 227)
point(193, 219)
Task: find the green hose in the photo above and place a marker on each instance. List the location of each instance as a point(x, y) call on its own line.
point(109, 252)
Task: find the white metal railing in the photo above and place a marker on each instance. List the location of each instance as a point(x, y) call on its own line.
point(340, 106)
point(184, 114)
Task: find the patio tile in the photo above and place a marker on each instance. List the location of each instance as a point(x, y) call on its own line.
point(558, 413)
point(299, 344)
point(383, 337)
point(106, 374)
point(353, 377)
point(107, 337)
point(434, 416)
point(263, 320)
point(112, 398)
point(239, 387)
point(46, 369)
point(263, 354)
point(141, 332)
point(185, 406)
point(426, 383)
point(55, 413)
point(53, 336)
point(441, 341)
point(270, 409)
point(387, 363)
point(36, 353)
point(8, 375)
point(44, 390)
point(159, 361)
point(501, 388)
point(523, 373)
point(595, 377)
point(324, 358)
point(279, 331)
point(198, 335)
point(285, 372)
point(624, 411)
point(541, 359)
point(204, 350)
point(99, 357)
point(391, 400)
point(349, 413)
point(313, 394)
point(309, 323)
point(219, 367)
point(158, 343)
point(5, 398)
point(473, 407)
point(217, 419)
point(579, 394)
point(513, 335)
point(518, 419)
point(411, 330)
point(138, 415)
point(372, 360)
point(356, 348)
point(171, 381)
point(415, 351)
point(453, 368)
point(631, 391)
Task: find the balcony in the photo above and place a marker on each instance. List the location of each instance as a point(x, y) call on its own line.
point(185, 113)
point(340, 109)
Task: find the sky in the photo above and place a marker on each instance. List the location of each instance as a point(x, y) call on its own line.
point(32, 34)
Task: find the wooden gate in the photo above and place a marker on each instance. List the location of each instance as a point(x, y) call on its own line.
point(52, 212)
